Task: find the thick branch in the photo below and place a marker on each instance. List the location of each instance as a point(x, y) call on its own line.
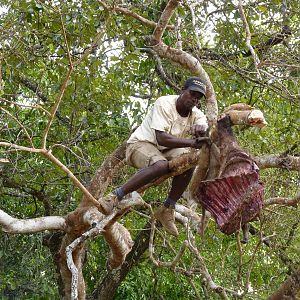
point(116, 235)
point(13, 225)
point(243, 114)
point(283, 201)
point(177, 166)
point(164, 20)
point(277, 161)
point(105, 173)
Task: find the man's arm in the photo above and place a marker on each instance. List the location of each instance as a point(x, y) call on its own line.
point(170, 141)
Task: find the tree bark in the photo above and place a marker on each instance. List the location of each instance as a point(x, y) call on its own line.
point(53, 242)
point(105, 173)
point(278, 161)
point(289, 289)
point(107, 288)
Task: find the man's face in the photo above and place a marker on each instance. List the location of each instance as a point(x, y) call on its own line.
point(191, 98)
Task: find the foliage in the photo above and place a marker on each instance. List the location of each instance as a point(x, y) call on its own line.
point(111, 91)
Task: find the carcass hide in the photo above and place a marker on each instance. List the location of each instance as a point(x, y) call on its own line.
point(235, 197)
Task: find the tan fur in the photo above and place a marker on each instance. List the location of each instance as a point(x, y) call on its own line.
point(120, 243)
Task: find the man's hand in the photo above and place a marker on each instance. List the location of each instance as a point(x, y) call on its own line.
point(200, 141)
point(198, 130)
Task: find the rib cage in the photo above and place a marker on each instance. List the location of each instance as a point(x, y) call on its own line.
point(235, 197)
point(233, 201)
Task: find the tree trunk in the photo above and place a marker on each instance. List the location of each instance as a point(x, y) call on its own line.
point(53, 242)
point(107, 288)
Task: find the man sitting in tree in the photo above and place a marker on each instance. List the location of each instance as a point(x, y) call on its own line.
point(162, 136)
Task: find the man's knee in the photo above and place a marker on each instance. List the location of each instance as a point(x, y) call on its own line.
point(161, 166)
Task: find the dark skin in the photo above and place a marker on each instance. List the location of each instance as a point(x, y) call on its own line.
point(184, 105)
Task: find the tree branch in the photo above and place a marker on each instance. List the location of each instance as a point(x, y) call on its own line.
point(115, 234)
point(189, 62)
point(22, 148)
point(248, 37)
point(160, 69)
point(20, 124)
point(288, 162)
point(105, 173)
point(283, 201)
point(164, 20)
point(130, 13)
point(13, 225)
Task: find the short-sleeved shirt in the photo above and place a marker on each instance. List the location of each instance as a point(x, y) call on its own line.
point(164, 117)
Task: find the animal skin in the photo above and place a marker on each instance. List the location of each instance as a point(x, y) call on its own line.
point(235, 197)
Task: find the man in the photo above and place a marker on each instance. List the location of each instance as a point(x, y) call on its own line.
point(161, 137)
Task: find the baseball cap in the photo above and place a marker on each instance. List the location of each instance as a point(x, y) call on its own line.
point(195, 84)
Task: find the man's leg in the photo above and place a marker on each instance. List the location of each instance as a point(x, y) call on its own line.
point(179, 185)
point(145, 176)
point(152, 165)
point(138, 180)
point(166, 213)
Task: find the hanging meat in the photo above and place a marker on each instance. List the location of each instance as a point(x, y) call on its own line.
point(235, 197)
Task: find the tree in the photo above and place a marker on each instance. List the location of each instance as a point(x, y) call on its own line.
point(62, 64)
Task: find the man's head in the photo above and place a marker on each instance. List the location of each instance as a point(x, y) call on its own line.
point(193, 90)
point(195, 84)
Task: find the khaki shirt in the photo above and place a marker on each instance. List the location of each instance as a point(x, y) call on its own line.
point(164, 117)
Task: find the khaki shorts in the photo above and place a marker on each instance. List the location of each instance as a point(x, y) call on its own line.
point(144, 154)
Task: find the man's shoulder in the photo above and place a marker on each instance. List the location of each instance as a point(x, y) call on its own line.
point(166, 100)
